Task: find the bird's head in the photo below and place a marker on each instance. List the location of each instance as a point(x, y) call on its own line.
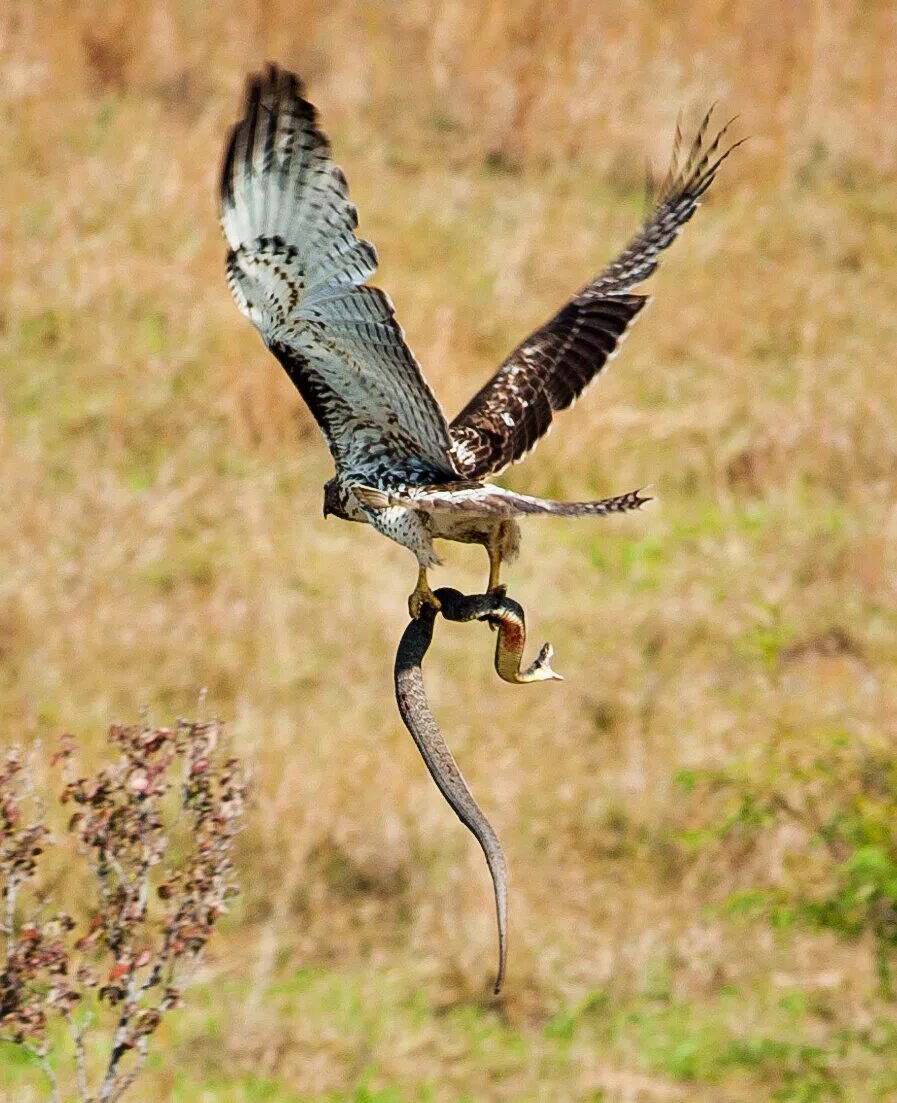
point(332, 503)
point(341, 502)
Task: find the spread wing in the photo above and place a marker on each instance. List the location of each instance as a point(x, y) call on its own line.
point(295, 268)
point(554, 365)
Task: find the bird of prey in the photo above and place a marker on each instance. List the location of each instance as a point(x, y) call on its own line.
point(298, 272)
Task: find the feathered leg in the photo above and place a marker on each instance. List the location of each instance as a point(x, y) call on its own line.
point(502, 546)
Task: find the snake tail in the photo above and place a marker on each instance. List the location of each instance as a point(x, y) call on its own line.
point(440, 762)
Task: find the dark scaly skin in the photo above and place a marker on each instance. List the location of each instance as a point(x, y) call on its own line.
point(411, 697)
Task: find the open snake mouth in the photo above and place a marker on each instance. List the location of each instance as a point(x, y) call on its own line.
point(507, 615)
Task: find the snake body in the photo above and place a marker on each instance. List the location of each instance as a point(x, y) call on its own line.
point(507, 616)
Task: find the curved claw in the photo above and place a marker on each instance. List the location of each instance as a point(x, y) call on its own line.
point(422, 596)
point(497, 592)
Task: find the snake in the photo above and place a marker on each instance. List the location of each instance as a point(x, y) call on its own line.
point(507, 616)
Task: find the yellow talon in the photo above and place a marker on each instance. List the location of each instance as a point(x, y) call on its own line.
point(494, 587)
point(494, 569)
point(422, 596)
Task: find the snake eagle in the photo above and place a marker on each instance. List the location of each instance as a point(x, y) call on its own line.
point(298, 272)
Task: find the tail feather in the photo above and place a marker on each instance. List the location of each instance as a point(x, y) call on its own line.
point(485, 500)
point(621, 503)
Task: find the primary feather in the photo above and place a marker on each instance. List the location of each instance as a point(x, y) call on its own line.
point(295, 268)
point(548, 371)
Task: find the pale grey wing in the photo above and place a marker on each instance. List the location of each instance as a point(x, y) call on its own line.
point(295, 268)
point(554, 365)
point(487, 500)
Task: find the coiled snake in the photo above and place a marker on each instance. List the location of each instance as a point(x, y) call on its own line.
point(507, 616)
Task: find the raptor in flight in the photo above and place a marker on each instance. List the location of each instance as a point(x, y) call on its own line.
point(298, 272)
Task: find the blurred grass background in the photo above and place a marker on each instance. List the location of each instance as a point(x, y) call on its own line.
point(161, 531)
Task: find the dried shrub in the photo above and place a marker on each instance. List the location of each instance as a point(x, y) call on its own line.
point(155, 831)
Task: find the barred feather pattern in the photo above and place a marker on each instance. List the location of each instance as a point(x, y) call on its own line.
point(298, 272)
point(674, 204)
point(505, 420)
point(548, 371)
point(476, 499)
point(295, 268)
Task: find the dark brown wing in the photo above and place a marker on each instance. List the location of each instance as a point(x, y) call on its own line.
point(554, 365)
point(548, 372)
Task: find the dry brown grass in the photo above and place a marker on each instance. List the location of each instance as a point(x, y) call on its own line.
point(160, 517)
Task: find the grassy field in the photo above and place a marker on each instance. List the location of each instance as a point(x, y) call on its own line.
point(161, 532)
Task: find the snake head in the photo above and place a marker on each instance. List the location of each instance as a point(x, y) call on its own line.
point(540, 670)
